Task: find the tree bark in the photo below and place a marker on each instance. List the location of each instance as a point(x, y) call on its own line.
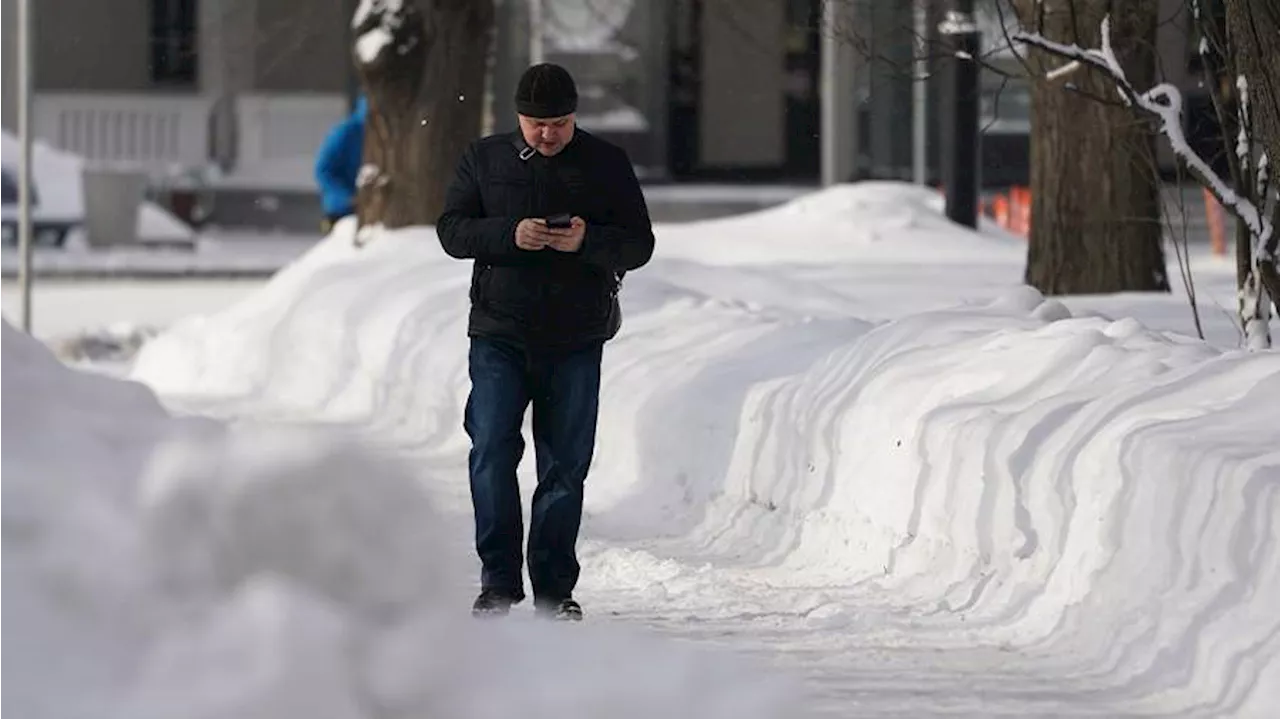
point(1095, 217)
point(1253, 28)
point(422, 67)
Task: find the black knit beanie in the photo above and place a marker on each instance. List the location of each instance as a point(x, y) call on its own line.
point(546, 90)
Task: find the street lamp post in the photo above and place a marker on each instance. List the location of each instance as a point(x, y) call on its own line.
point(920, 96)
point(25, 80)
point(838, 133)
point(961, 166)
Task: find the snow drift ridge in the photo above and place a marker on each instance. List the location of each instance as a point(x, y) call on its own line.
point(992, 507)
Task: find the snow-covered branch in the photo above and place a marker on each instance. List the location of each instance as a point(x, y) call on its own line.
point(377, 22)
point(1259, 280)
point(370, 175)
point(1164, 101)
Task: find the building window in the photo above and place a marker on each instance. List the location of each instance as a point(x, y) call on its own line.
point(173, 42)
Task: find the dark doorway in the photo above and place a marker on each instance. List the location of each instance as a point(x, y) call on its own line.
point(684, 87)
point(743, 101)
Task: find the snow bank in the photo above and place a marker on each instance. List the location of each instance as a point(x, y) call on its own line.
point(866, 221)
point(158, 566)
point(60, 195)
point(807, 445)
point(111, 344)
point(56, 175)
point(74, 445)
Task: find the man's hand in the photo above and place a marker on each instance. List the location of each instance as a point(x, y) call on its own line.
point(532, 234)
point(569, 240)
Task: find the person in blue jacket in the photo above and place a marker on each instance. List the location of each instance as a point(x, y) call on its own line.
point(338, 163)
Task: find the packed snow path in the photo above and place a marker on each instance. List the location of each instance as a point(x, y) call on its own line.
point(837, 436)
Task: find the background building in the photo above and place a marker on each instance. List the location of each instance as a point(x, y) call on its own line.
point(240, 92)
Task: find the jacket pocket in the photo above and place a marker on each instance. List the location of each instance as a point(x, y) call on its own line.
point(512, 290)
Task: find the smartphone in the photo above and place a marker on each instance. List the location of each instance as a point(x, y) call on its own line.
point(562, 221)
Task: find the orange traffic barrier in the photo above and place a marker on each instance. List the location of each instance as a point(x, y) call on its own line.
point(1000, 210)
point(1213, 217)
point(1020, 219)
point(1011, 210)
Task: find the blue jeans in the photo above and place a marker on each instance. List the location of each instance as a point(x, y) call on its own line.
point(564, 389)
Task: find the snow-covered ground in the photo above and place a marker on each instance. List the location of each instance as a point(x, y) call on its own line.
point(210, 255)
point(99, 324)
point(836, 436)
point(62, 309)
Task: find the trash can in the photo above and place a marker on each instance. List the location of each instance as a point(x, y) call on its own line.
point(112, 204)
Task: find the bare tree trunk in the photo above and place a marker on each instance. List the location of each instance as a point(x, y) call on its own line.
point(1243, 80)
point(1219, 81)
point(1095, 218)
point(422, 67)
point(1252, 29)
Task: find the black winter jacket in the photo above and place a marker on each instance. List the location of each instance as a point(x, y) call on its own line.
point(545, 299)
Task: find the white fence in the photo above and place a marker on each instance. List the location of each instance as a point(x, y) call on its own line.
point(149, 132)
point(277, 134)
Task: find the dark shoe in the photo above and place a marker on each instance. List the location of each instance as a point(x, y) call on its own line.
point(564, 610)
point(495, 602)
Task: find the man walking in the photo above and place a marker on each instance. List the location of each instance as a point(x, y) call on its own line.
point(552, 217)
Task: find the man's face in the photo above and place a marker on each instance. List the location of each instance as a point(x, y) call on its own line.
point(547, 135)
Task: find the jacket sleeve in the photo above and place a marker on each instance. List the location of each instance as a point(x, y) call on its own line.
point(464, 231)
point(332, 174)
point(625, 242)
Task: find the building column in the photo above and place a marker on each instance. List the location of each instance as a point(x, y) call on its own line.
point(891, 89)
point(839, 99)
point(9, 29)
point(226, 34)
